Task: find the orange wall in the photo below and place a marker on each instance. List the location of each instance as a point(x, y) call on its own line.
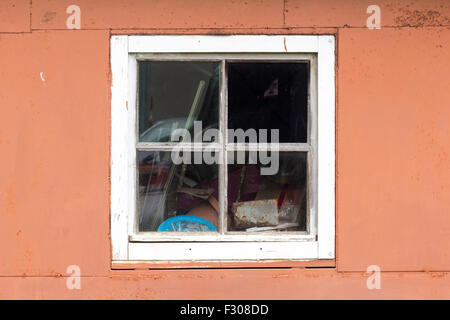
point(392, 129)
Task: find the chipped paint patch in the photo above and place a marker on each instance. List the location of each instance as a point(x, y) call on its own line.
point(419, 18)
point(49, 15)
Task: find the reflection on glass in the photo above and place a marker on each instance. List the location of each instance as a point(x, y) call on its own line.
point(173, 94)
point(176, 197)
point(275, 202)
point(269, 95)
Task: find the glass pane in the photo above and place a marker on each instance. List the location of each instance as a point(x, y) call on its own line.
point(176, 198)
point(271, 197)
point(269, 95)
point(174, 94)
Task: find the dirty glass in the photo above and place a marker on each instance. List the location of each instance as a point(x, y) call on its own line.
point(173, 94)
point(176, 197)
point(274, 200)
point(269, 95)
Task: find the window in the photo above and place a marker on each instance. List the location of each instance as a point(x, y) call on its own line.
point(222, 148)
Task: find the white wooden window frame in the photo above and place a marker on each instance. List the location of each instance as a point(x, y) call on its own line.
point(130, 245)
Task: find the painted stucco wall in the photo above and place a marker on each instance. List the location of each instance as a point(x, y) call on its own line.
point(392, 140)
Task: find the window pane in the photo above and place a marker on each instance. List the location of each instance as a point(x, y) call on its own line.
point(267, 200)
point(269, 95)
point(186, 193)
point(172, 94)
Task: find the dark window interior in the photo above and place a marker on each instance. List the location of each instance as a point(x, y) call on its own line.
point(269, 95)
